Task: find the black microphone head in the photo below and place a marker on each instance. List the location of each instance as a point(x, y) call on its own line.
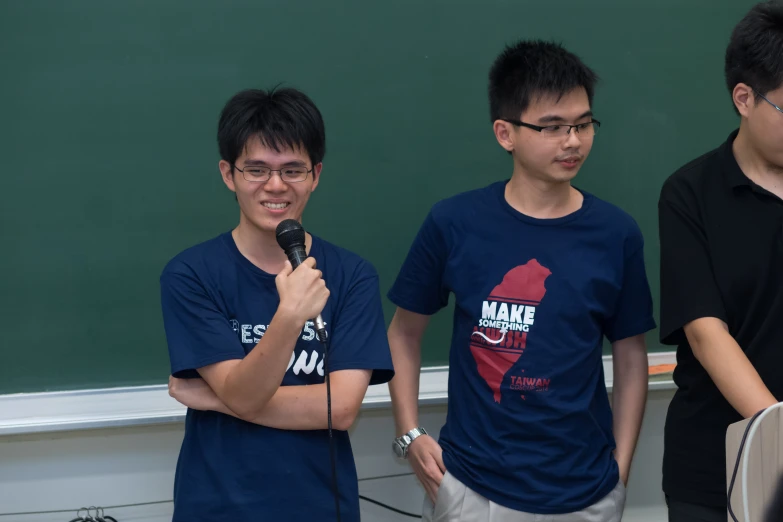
point(290, 234)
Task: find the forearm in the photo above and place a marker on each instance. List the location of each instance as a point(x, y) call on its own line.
point(290, 408)
point(303, 408)
point(730, 369)
point(254, 380)
point(299, 408)
point(404, 387)
point(629, 398)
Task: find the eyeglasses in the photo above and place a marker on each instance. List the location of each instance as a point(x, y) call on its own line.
point(585, 130)
point(258, 173)
point(766, 100)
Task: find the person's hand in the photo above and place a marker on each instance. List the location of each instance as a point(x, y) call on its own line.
point(303, 292)
point(195, 394)
point(426, 458)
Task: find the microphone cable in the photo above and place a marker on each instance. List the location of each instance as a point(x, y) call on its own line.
point(291, 238)
point(323, 337)
point(737, 464)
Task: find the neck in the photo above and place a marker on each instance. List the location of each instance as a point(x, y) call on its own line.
point(755, 166)
point(260, 246)
point(542, 199)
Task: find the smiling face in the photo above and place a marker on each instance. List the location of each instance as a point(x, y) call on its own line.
point(264, 204)
point(549, 155)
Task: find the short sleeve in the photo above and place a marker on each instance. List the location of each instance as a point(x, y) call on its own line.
point(419, 286)
point(198, 334)
point(688, 287)
point(357, 340)
point(634, 309)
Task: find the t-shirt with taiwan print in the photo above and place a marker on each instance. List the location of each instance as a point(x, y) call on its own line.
point(529, 423)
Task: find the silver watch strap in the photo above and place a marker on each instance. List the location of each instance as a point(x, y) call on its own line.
point(409, 437)
point(415, 433)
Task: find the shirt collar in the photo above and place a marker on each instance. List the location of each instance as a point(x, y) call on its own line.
point(732, 172)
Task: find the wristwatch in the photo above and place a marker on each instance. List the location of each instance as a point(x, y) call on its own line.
point(401, 443)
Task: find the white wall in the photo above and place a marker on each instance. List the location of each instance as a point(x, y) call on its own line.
point(124, 465)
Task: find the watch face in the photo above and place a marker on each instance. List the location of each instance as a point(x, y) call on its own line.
point(397, 449)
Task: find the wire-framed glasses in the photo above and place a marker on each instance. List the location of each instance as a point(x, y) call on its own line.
point(261, 173)
point(587, 129)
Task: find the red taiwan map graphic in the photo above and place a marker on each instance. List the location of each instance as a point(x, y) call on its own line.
point(521, 286)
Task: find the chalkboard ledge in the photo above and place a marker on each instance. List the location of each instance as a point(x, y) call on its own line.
point(31, 413)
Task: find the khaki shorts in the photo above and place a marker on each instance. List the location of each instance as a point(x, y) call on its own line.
point(457, 503)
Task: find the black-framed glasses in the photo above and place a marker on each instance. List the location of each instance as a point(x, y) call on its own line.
point(587, 129)
point(766, 100)
point(260, 173)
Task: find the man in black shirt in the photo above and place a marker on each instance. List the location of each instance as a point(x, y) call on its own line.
point(721, 232)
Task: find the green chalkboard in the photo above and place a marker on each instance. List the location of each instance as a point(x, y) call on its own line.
point(108, 115)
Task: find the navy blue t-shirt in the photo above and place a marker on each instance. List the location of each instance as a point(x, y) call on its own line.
point(216, 306)
point(529, 423)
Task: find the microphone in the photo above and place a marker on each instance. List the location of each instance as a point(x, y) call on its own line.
point(291, 238)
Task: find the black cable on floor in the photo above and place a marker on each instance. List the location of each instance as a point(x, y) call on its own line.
point(401, 512)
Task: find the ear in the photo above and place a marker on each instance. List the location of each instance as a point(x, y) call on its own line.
point(504, 133)
point(744, 99)
point(227, 173)
point(316, 175)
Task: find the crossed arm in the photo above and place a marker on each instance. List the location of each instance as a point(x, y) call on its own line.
point(291, 407)
point(249, 388)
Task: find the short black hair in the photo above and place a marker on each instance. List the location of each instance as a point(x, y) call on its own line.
point(532, 68)
point(281, 118)
point(755, 52)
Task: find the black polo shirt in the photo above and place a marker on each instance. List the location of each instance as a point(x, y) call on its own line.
point(721, 256)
